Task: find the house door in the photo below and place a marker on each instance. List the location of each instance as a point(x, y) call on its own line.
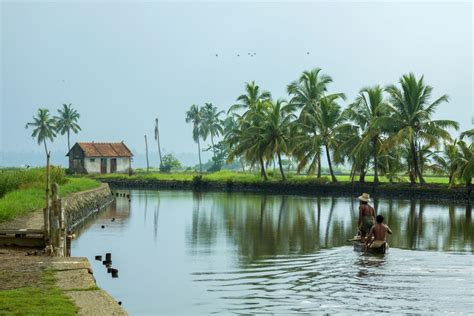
point(103, 165)
point(113, 165)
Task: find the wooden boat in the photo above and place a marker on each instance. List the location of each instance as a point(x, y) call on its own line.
point(360, 246)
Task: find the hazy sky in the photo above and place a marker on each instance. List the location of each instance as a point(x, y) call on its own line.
point(121, 65)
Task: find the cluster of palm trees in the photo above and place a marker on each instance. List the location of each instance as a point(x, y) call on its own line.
point(47, 127)
point(387, 130)
point(206, 123)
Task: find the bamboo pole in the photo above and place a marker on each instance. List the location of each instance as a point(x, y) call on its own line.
point(46, 209)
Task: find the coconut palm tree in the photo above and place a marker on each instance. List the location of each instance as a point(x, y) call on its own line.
point(465, 161)
point(445, 163)
point(309, 88)
point(275, 129)
point(370, 113)
point(44, 128)
point(66, 122)
point(251, 98)
point(411, 121)
point(212, 125)
point(305, 94)
point(194, 116)
point(331, 124)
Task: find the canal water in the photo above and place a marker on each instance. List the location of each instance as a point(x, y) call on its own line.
point(187, 253)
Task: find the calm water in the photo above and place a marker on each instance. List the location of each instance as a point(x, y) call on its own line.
point(184, 253)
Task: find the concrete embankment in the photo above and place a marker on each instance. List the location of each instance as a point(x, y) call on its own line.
point(398, 190)
point(74, 276)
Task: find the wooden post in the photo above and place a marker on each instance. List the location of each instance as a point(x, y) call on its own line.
point(47, 206)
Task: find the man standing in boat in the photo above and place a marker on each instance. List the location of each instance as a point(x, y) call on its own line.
point(366, 215)
point(378, 233)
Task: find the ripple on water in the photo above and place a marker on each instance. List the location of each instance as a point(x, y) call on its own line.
point(341, 280)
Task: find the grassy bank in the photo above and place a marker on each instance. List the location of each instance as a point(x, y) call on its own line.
point(31, 196)
point(44, 298)
point(226, 175)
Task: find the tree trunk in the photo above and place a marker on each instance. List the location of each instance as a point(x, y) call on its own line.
point(45, 148)
point(242, 164)
point(213, 148)
point(362, 174)
point(319, 164)
point(68, 144)
point(199, 152)
point(262, 171)
point(334, 180)
point(147, 161)
point(376, 166)
point(415, 162)
point(158, 142)
point(281, 167)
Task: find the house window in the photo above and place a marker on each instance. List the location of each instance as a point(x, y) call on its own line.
point(92, 159)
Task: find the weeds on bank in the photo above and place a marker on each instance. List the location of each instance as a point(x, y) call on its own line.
point(22, 201)
point(42, 299)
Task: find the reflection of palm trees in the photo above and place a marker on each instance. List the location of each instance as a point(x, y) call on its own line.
point(155, 217)
point(329, 222)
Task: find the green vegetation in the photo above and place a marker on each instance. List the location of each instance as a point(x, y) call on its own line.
point(42, 299)
point(169, 163)
point(66, 122)
point(24, 190)
point(247, 177)
point(387, 131)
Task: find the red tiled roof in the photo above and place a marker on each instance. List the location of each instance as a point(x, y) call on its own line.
point(105, 149)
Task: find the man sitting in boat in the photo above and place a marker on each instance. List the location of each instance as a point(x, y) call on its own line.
point(366, 215)
point(378, 233)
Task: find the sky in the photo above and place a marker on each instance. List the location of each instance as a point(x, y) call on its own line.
point(123, 64)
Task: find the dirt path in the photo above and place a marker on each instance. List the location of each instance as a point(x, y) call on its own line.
point(73, 276)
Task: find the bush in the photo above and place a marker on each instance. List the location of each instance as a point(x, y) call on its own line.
point(169, 162)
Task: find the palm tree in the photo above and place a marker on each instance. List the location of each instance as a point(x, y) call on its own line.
point(251, 97)
point(67, 122)
point(211, 123)
point(331, 124)
point(309, 88)
point(446, 162)
point(465, 161)
point(305, 94)
point(44, 128)
point(275, 129)
point(370, 112)
point(194, 115)
point(411, 120)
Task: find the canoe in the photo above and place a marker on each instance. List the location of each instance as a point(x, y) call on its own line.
point(360, 246)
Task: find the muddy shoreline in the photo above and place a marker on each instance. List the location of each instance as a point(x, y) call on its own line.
point(400, 190)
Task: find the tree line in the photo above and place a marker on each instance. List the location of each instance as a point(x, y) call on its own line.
point(389, 131)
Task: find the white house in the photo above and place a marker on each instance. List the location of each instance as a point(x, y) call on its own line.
point(100, 158)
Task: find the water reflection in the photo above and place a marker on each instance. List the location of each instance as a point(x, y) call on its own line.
point(204, 253)
point(265, 225)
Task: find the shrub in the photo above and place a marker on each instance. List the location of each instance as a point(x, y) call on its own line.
point(169, 162)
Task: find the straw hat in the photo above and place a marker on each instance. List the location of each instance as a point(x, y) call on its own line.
point(365, 197)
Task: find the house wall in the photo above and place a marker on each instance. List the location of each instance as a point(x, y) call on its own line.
point(123, 163)
point(92, 165)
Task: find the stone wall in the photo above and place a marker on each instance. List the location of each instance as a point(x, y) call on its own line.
point(79, 206)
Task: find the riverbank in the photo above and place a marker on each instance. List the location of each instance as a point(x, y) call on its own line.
point(29, 279)
point(235, 182)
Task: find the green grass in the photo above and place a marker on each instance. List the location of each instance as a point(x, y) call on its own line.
point(22, 201)
point(42, 299)
point(228, 175)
